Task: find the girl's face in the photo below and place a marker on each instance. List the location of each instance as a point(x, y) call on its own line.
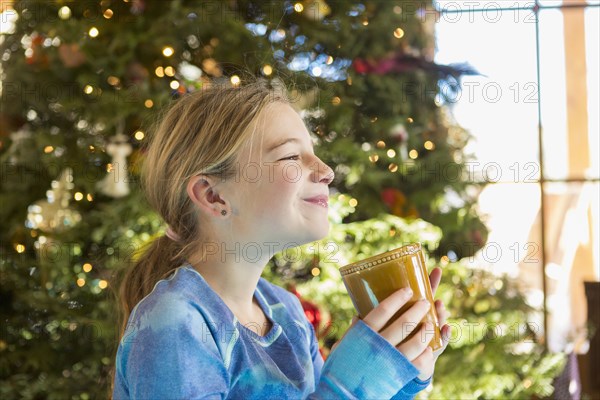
point(281, 194)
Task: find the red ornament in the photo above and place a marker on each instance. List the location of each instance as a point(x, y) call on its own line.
point(71, 55)
point(37, 56)
point(361, 66)
point(311, 310)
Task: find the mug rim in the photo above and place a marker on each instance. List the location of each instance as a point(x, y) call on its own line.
point(403, 251)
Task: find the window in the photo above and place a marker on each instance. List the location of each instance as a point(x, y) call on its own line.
point(533, 114)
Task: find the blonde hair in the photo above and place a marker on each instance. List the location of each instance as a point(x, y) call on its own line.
point(201, 133)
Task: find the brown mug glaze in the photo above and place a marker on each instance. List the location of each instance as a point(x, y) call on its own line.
point(371, 280)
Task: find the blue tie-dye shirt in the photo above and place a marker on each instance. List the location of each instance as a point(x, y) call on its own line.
point(183, 342)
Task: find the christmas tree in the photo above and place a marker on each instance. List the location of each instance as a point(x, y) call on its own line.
point(81, 83)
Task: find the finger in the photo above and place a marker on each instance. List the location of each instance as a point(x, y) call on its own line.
point(414, 346)
point(424, 362)
point(434, 278)
point(381, 314)
point(441, 311)
point(446, 334)
point(406, 323)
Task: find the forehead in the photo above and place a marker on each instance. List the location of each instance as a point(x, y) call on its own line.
point(277, 122)
point(281, 121)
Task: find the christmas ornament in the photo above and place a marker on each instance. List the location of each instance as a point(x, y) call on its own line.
point(22, 148)
point(36, 55)
point(54, 214)
point(311, 310)
point(71, 55)
point(116, 183)
point(398, 203)
point(399, 133)
point(400, 62)
point(137, 7)
point(316, 10)
point(136, 73)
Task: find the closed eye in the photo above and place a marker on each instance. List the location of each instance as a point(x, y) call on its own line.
point(290, 158)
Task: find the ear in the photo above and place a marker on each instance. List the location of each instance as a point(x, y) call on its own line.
point(202, 191)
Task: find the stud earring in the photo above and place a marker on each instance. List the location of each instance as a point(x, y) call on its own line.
point(223, 212)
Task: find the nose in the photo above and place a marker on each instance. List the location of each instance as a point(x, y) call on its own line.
point(322, 173)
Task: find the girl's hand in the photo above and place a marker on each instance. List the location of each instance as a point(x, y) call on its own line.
point(415, 349)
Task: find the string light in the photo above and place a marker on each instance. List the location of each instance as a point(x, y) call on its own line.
point(48, 149)
point(64, 12)
point(113, 80)
point(373, 158)
point(380, 144)
point(398, 10)
point(315, 271)
point(139, 135)
point(353, 202)
point(108, 13)
point(336, 101)
point(174, 85)
point(80, 282)
point(413, 154)
point(235, 80)
point(391, 153)
point(429, 145)
point(168, 51)
point(93, 32)
point(393, 167)
point(410, 120)
point(148, 103)
point(169, 71)
point(365, 22)
point(19, 248)
point(298, 7)
point(160, 72)
point(329, 60)
point(88, 89)
point(102, 284)
point(78, 196)
point(87, 267)
point(267, 70)
point(398, 33)
point(89, 197)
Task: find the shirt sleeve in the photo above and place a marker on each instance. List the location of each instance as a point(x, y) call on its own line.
point(364, 365)
point(172, 355)
point(411, 389)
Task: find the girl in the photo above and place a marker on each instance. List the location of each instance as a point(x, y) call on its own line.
point(233, 172)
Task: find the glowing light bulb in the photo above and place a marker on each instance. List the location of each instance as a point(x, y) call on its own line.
point(64, 12)
point(267, 70)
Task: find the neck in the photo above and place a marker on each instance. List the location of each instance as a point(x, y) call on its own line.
point(233, 272)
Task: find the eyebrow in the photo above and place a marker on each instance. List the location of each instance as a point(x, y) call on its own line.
point(279, 144)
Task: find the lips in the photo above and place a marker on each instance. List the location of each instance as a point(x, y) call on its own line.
point(321, 200)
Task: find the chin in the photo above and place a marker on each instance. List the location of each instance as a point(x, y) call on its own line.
point(318, 233)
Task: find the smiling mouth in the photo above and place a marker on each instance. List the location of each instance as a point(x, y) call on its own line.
point(319, 202)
